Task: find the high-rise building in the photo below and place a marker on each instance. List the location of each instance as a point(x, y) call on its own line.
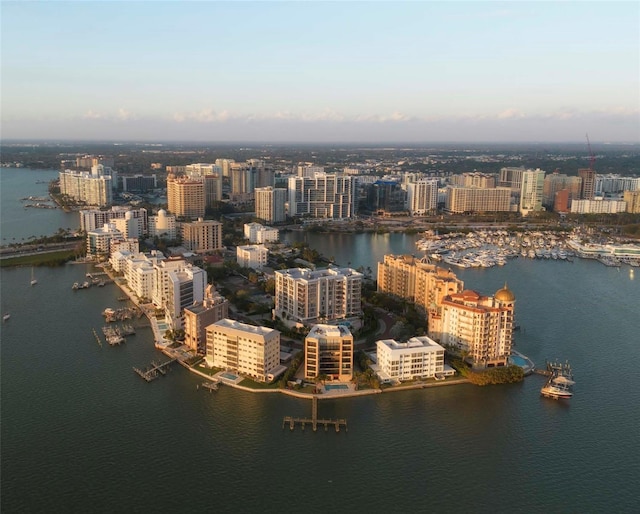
point(322, 196)
point(252, 256)
point(480, 327)
point(475, 179)
point(185, 197)
point(270, 204)
point(422, 196)
point(328, 350)
point(555, 182)
point(202, 236)
point(198, 316)
point(473, 199)
point(244, 349)
point(95, 190)
point(632, 199)
point(511, 177)
point(588, 186)
point(307, 296)
point(163, 225)
point(531, 191)
point(93, 218)
point(99, 240)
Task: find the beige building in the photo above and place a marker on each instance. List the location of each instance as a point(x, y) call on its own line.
point(475, 179)
point(185, 197)
point(632, 199)
point(328, 350)
point(417, 281)
point(418, 358)
point(198, 316)
point(92, 189)
point(202, 236)
point(244, 349)
point(252, 256)
point(473, 199)
point(479, 326)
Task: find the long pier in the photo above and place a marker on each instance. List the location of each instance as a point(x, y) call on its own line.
point(314, 421)
point(155, 370)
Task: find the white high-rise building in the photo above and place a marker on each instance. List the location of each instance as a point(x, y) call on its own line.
point(322, 196)
point(307, 296)
point(99, 240)
point(422, 196)
point(244, 349)
point(532, 191)
point(270, 204)
point(257, 233)
point(95, 190)
point(91, 219)
point(419, 357)
point(252, 256)
point(163, 225)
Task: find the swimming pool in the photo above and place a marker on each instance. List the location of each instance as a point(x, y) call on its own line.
point(518, 361)
point(229, 376)
point(329, 387)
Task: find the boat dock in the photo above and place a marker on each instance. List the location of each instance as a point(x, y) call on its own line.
point(211, 386)
point(314, 421)
point(155, 370)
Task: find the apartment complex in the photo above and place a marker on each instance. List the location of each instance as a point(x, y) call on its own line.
point(328, 350)
point(202, 236)
point(91, 188)
point(322, 196)
point(307, 296)
point(198, 316)
point(531, 191)
point(418, 358)
point(422, 197)
point(472, 199)
point(632, 199)
point(252, 256)
point(245, 349)
point(257, 233)
point(163, 225)
point(185, 197)
point(479, 326)
point(556, 182)
point(598, 206)
point(270, 204)
point(92, 219)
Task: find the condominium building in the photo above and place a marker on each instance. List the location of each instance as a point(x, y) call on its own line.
point(422, 197)
point(471, 199)
point(244, 349)
point(632, 199)
point(270, 204)
point(418, 358)
point(198, 316)
point(555, 182)
point(531, 191)
point(511, 177)
point(306, 296)
point(91, 219)
point(185, 197)
point(308, 169)
point(163, 225)
point(418, 281)
point(99, 240)
point(475, 179)
point(615, 184)
point(202, 236)
point(138, 270)
point(257, 233)
point(82, 186)
point(328, 350)
point(588, 186)
point(322, 196)
point(598, 206)
point(252, 256)
point(176, 285)
point(480, 327)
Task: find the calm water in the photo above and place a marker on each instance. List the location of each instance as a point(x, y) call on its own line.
point(81, 432)
point(16, 221)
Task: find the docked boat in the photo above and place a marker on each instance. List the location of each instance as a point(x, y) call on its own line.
point(560, 383)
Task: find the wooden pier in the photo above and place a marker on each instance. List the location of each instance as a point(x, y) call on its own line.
point(97, 337)
point(155, 370)
point(314, 421)
point(211, 386)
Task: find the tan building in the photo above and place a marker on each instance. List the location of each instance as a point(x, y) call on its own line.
point(244, 349)
point(481, 327)
point(588, 186)
point(555, 182)
point(185, 197)
point(417, 281)
point(328, 350)
point(476, 179)
point(202, 236)
point(632, 199)
point(473, 199)
point(198, 316)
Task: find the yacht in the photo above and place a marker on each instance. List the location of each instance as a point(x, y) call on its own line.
point(559, 385)
point(6, 317)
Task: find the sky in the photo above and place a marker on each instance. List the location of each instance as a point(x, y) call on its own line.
point(310, 71)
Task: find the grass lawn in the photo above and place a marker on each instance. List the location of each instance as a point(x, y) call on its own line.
point(247, 382)
point(44, 259)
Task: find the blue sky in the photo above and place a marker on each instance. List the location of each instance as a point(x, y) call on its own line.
point(321, 71)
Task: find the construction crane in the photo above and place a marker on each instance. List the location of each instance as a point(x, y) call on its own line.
point(592, 157)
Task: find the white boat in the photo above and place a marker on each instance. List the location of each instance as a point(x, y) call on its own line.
point(34, 281)
point(6, 317)
point(560, 383)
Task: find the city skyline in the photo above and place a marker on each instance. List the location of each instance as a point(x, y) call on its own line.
point(321, 71)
